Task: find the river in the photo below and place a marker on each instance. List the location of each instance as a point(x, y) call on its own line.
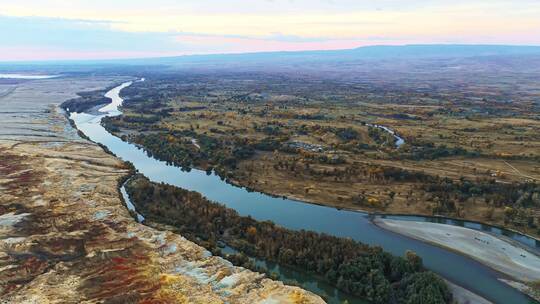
point(27, 76)
point(457, 268)
point(399, 141)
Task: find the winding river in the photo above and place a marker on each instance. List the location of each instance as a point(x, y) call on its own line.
point(399, 141)
point(298, 215)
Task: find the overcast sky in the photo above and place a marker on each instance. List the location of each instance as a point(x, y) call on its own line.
point(90, 29)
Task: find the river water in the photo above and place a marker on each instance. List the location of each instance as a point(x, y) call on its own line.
point(26, 76)
point(399, 140)
point(298, 215)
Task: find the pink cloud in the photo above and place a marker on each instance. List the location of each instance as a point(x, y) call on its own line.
point(222, 44)
point(48, 53)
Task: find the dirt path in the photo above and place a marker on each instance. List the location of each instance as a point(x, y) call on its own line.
point(519, 172)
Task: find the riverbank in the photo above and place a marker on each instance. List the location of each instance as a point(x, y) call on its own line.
point(302, 199)
point(345, 193)
point(339, 262)
point(464, 296)
point(510, 259)
point(66, 235)
point(274, 186)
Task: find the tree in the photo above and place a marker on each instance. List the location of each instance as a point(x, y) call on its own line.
point(414, 260)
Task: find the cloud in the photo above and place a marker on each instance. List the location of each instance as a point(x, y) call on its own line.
point(74, 34)
point(29, 38)
point(129, 28)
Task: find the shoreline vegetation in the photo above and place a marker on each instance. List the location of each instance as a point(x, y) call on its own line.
point(378, 214)
point(352, 267)
point(371, 212)
point(230, 178)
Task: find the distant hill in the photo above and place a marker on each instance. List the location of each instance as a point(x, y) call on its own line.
point(444, 50)
point(368, 53)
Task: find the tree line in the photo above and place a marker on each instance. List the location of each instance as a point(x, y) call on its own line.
point(352, 267)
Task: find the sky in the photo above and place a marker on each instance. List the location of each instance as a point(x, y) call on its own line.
point(102, 29)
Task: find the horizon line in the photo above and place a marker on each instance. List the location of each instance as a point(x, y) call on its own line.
point(107, 60)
